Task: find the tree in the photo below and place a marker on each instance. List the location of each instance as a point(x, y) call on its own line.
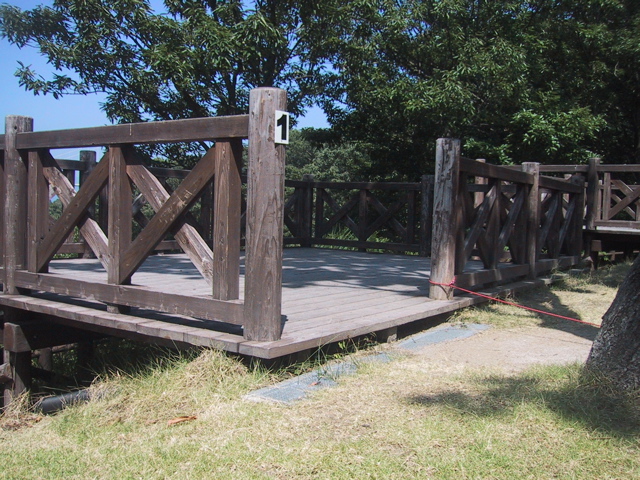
point(199, 58)
point(517, 81)
point(319, 153)
point(616, 349)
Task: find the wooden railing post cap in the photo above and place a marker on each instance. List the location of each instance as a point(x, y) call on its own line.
point(12, 121)
point(264, 89)
point(263, 93)
point(448, 140)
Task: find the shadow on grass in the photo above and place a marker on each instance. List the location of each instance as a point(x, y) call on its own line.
point(577, 397)
point(545, 300)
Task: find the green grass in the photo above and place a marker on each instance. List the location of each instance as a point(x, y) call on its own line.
point(411, 418)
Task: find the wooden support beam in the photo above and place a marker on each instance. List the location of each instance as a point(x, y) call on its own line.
point(478, 197)
point(186, 235)
point(120, 216)
point(88, 158)
point(38, 333)
point(16, 200)
point(445, 218)
point(2, 207)
point(532, 208)
point(265, 222)
point(226, 219)
point(133, 255)
point(38, 218)
point(89, 229)
point(17, 357)
point(363, 210)
point(577, 219)
point(305, 211)
point(74, 213)
point(188, 130)
point(426, 214)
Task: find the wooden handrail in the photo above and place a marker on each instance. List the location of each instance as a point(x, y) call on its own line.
point(170, 131)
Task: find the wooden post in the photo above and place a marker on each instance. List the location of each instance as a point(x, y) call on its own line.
point(38, 211)
point(305, 211)
point(45, 359)
point(426, 214)
point(120, 213)
point(410, 234)
point(15, 207)
point(443, 248)
point(17, 354)
point(88, 157)
point(265, 218)
point(363, 209)
point(120, 219)
point(606, 197)
point(2, 206)
point(478, 197)
point(226, 219)
point(577, 221)
point(206, 213)
point(533, 213)
point(319, 218)
point(593, 184)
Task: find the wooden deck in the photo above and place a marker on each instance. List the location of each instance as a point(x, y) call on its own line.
point(328, 296)
point(519, 223)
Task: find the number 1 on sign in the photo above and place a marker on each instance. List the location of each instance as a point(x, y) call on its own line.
point(282, 127)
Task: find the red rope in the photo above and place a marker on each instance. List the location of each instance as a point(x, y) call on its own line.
point(488, 297)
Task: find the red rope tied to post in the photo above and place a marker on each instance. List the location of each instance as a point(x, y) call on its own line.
point(452, 284)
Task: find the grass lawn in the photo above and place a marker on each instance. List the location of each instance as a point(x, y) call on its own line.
point(410, 418)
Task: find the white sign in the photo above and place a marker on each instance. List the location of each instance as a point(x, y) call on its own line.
point(282, 127)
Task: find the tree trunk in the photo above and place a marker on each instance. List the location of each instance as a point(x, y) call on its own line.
point(616, 349)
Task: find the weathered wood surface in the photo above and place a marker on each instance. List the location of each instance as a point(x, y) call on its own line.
point(447, 218)
point(189, 130)
point(16, 201)
point(328, 295)
point(226, 220)
point(186, 235)
point(168, 214)
point(75, 207)
point(516, 215)
point(265, 212)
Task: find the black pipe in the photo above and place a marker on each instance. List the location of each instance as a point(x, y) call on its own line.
point(58, 402)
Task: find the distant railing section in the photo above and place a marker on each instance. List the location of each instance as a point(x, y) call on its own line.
point(612, 192)
point(518, 223)
point(391, 216)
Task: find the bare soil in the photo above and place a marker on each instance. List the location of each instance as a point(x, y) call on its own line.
point(514, 349)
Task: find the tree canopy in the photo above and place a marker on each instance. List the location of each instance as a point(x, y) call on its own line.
point(540, 80)
point(199, 58)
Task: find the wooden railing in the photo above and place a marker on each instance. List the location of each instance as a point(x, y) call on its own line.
point(613, 201)
point(32, 239)
point(518, 223)
point(389, 216)
point(612, 193)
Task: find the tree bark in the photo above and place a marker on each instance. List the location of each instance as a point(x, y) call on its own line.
point(616, 349)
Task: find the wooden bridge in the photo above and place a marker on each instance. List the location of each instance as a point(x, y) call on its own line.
point(186, 258)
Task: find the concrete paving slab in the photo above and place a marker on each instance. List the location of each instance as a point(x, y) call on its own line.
point(443, 333)
point(294, 389)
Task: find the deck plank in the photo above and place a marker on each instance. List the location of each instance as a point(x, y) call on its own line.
point(328, 296)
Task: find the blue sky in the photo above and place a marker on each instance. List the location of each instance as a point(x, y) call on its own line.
point(71, 111)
